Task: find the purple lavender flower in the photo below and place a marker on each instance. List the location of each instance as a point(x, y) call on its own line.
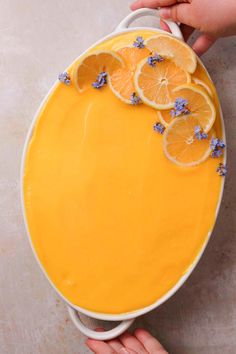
point(64, 78)
point(197, 129)
point(222, 170)
point(221, 144)
point(216, 153)
point(135, 99)
point(199, 134)
point(180, 103)
point(217, 146)
point(217, 143)
point(159, 128)
point(204, 135)
point(156, 58)
point(100, 81)
point(180, 108)
point(139, 42)
point(214, 143)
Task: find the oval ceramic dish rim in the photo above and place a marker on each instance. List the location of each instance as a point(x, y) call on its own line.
point(172, 291)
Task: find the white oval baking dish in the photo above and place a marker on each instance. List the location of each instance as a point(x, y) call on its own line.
point(127, 318)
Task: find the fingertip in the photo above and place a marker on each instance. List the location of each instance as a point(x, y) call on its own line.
point(202, 44)
point(199, 51)
point(165, 13)
point(151, 344)
point(142, 335)
point(164, 26)
point(89, 342)
point(135, 6)
point(140, 331)
point(125, 335)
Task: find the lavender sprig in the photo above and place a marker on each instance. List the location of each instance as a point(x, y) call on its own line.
point(139, 42)
point(216, 153)
point(217, 143)
point(64, 78)
point(134, 99)
point(159, 128)
point(199, 133)
point(217, 147)
point(222, 170)
point(100, 81)
point(156, 58)
point(180, 108)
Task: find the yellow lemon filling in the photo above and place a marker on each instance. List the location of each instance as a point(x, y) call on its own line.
point(114, 223)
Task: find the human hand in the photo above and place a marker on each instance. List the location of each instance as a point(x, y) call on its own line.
point(214, 19)
point(141, 342)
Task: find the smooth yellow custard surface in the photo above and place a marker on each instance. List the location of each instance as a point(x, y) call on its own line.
point(114, 223)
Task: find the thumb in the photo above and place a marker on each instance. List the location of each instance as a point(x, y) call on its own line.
point(203, 43)
point(179, 13)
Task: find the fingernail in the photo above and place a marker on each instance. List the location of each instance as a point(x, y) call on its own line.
point(165, 12)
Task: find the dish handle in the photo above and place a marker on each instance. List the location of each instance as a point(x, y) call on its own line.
point(113, 333)
point(126, 22)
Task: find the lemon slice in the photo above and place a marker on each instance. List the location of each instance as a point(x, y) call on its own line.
point(199, 103)
point(180, 144)
point(155, 84)
point(121, 80)
point(175, 50)
point(85, 72)
point(203, 85)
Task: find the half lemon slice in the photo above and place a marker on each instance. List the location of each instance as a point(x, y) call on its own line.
point(85, 72)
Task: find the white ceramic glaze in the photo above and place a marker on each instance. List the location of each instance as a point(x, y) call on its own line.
point(126, 22)
point(74, 311)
